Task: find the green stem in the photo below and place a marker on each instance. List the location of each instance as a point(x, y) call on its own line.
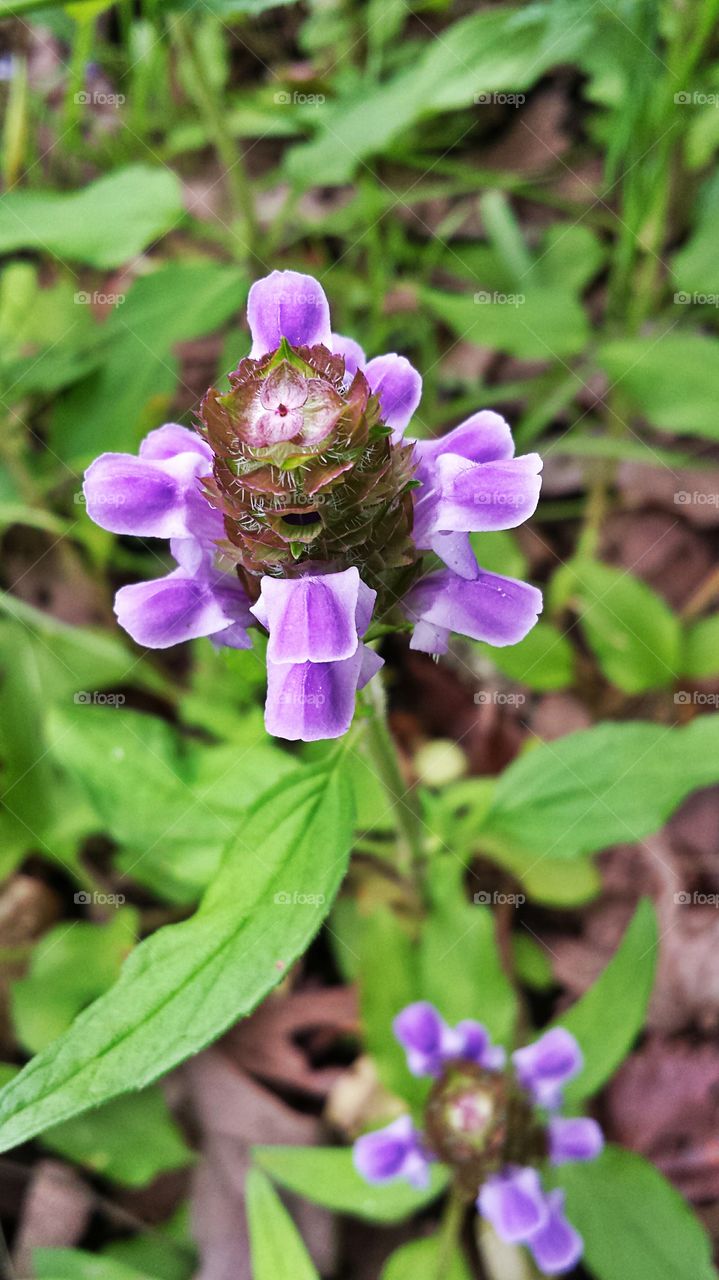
point(449, 1233)
point(403, 801)
point(228, 152)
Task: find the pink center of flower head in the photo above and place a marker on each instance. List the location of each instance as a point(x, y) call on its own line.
point(290, 406)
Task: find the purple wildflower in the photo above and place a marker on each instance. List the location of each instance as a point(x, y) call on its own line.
point(301, 508)
point(482, 1121)
point(393, 1152)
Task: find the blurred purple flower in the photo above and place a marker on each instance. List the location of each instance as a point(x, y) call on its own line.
point(468, 1069)
point(291, 438)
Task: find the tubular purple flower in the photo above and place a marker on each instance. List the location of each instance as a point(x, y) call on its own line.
point(545, 1066)
point(556, 1245)
point(514, 1203)
point(299, 506)
point(393, 1152)
point(574, 1138)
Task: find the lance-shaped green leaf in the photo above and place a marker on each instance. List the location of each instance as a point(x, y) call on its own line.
point(634, 1224)
point(607, 1020)
point(186, 984)
point(278, 1251)
point(327, 1176)
point(598, 787)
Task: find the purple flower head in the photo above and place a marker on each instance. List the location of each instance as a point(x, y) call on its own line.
point(486, 1120)
point(393, 1152)
point(545, 1066)
point(300, 506)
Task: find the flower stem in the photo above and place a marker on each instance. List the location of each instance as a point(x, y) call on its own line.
point(402, 799)
point(449, 1233)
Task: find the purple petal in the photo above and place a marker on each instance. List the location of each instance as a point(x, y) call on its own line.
point(514, 1203)
point(392, 1152)
point(425, 1038)
point(398, 388)
point(287, 304)
point(481, 497)
point(545, 1066)
point(476, 1045)
point(370, 665)
point(492, 608)
point(312, 701)
point(456, 551)
point(556, 1246)
point(310, 619)
point(169, 610)
point(166, 442)
point(574, 1138)
point(150, 499)
point(485, 437)
point(351, 351)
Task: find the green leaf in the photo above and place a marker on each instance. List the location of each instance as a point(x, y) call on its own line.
point(327, 1176)
point(388, 980)
point(103, 224)
point(634, 634)
point(531, 321)
point(531, 962)
point(696, 265)
point(634, 1224)
point(608, 1018)
point(186, 984)
point(71, 966)
point(462, 972)
point(420, 1260)
point(701, 648)
point(75, 1264)
point(115, 406)
point(672, 380)
point(278, 1252)
point(598, 787)
point(186, 798)
point(129, 1140)
point(498, 49)
point(543, 660)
